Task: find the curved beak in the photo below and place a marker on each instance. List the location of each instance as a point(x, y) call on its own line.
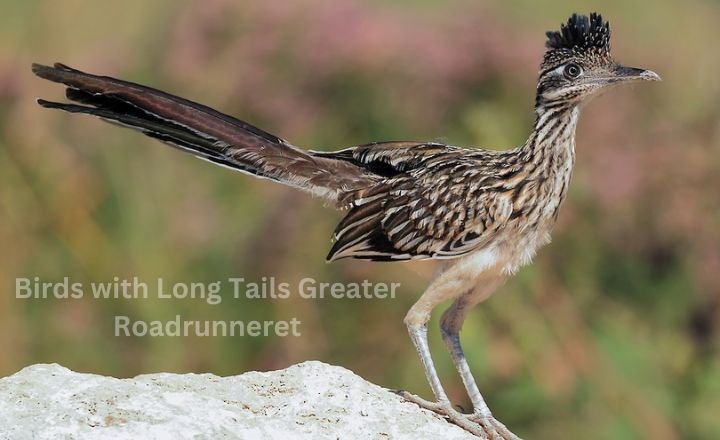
point(626, 74)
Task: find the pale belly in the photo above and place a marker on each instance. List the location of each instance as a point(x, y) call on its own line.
point(506, 255)
point(486, 269)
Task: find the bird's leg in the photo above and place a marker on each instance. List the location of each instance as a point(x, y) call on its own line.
point(416, 320)
point(450, 325)
point(466, 291)
point(445, 286)
point(418, 335)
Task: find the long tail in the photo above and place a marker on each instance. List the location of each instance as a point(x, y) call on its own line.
point(202, 131)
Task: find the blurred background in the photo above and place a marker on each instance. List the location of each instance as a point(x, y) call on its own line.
point(612, 333)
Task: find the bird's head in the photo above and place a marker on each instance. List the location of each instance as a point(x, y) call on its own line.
point(578, 64)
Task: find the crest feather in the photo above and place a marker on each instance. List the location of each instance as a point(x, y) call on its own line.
point(581, 33)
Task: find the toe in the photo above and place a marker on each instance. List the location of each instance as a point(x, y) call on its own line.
point(493, 428)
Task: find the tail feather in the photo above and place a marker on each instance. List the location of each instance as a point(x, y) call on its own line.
point(202, 131)
point(165, 131)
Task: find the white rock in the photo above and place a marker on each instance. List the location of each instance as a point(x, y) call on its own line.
point(307, 401)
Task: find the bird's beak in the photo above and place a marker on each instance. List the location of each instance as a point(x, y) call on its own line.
point(628, 74)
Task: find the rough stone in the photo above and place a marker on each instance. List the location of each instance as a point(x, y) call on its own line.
point(309, 401)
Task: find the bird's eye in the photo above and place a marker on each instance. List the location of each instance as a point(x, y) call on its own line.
point(572, 71)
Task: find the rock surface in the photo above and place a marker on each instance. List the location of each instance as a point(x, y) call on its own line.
point(309, 401)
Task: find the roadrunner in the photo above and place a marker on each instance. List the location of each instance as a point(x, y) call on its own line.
point(483, 213)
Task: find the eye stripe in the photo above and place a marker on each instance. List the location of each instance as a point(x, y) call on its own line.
point(558, 71)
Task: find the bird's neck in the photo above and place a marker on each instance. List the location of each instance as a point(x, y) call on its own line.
point(551, 146)
point(545, 163)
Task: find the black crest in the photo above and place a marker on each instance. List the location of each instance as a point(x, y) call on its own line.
point(581, 33)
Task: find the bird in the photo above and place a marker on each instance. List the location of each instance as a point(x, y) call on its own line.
point(481, 213)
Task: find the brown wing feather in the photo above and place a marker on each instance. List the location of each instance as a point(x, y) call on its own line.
point(429, 211)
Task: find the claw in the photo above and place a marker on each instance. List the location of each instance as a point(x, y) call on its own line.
point(482, 426)
point(493, 427)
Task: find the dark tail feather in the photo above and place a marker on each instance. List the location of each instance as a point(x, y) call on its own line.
point(202, 131)
point(151, 100)
point(174, 135)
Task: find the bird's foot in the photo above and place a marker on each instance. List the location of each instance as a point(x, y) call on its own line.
point(484, 426)
point(492, 426)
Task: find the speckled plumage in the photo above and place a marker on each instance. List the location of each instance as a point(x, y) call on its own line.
point(484, 213)
point(445, 202)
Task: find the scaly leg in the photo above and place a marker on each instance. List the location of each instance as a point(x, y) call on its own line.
point(418, 335)
point(416, 321)
point(446, 286)
point(450, 326)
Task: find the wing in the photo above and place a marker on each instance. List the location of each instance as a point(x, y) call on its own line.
point(441, 203)
point(390, 159)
